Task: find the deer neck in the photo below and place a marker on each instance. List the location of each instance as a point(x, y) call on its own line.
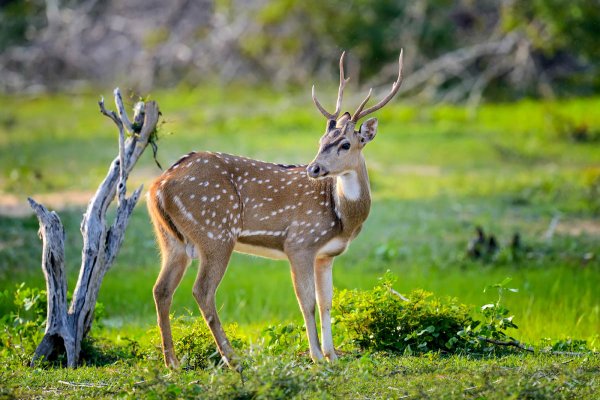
point(352, 198)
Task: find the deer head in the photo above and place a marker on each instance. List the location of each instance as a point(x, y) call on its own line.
point(340, 148)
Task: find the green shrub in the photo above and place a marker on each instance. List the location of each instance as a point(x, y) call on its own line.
point(195, 345)
point(568, 345)
point(381, 320)
point(285, 338)
point(99, 351)
point(22, 329)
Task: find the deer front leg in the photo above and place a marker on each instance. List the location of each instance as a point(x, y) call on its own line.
point(324, 286)
point(212, 269)
point(175, 262)
point(304, 285)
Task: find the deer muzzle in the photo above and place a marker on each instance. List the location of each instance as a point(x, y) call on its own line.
point(315, 171)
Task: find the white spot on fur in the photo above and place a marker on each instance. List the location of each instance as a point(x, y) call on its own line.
point(246, 233)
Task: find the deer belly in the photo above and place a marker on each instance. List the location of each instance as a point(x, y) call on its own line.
point(334, 247)
point(260, 251)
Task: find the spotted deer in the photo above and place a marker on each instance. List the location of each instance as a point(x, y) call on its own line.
point(208, 205)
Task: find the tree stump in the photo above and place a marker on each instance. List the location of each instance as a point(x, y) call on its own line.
point(67, 327)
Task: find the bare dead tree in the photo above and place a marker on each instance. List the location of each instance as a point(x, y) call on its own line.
point(455, 66)
point(66, 328)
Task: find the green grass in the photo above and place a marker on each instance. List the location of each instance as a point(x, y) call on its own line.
point(369, 376)
point(436, 172)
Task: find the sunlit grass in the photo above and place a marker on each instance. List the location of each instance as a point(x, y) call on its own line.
point(436, 172)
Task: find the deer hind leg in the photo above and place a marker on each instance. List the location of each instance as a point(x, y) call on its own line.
point(213, 264)
point(324, 286)
point(304, 285)
point(174, 263)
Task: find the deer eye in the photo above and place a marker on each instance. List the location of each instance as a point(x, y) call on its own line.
point(345, 146)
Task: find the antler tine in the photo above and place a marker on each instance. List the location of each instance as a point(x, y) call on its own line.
point(359, 113)
point(361, 106)
point(319, 106)
point(338, 105)
point(343, 81)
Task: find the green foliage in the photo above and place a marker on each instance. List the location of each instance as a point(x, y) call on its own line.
point(438, 173)
point(283, 338)
point(132, 368)
point(19, 20)
point(568, 346)
point(373, 29)
point(381, 320)
point(577, 130)
point(195, 345)
point(496, 321)
point(565, 37)
point(99, 351)
point(22, 329)
point(496, 315)
point(558, 26)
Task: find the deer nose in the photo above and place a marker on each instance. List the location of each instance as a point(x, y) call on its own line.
point(313, 170)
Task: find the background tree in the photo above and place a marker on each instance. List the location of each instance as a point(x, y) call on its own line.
point(459, 49)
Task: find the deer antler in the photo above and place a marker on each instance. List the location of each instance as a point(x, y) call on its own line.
point(359, 113)
point(338, 106)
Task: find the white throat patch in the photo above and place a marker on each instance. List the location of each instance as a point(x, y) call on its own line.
point(348, 186)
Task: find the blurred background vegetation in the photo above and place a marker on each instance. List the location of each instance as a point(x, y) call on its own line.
point(456, 50)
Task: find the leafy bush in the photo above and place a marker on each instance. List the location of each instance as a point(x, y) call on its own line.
point(22, 329)
point(285, 338)
point(100, 351)
point(195, 345)
point(382, 320)
point(567, 346)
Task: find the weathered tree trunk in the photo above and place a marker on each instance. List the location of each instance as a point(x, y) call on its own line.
point(66, 328)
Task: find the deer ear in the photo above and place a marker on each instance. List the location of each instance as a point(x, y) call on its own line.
point(367, 131)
